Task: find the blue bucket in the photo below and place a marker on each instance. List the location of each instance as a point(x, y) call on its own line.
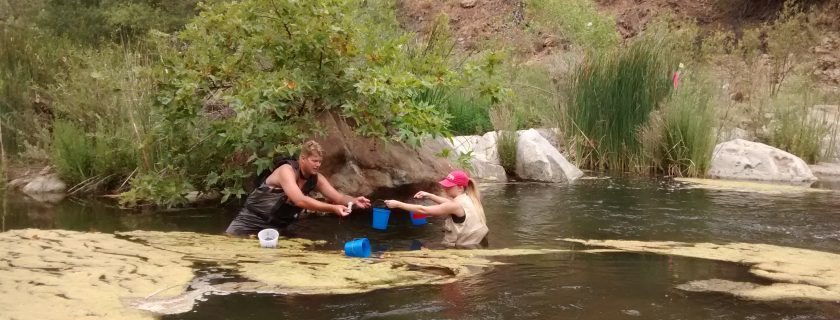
point(417, 219)
point(359, 247)
point(380, 218)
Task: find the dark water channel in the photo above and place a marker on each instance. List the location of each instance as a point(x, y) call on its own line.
point(528, 215)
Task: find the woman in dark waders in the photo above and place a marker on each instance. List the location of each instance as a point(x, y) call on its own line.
point(277, 202)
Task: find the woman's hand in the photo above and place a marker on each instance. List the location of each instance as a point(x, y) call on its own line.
point(340, 210)
point(393, 203)
point(361, 202)
point(421, 195)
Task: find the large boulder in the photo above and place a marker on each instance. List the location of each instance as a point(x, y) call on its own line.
point(359, 166)
point(746, 160)
point(537, 159)
point(553, 137)
point(485, 161)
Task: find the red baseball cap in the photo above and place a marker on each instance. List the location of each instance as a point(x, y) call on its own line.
point(455, 178)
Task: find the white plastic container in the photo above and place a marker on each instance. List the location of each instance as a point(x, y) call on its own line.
point(268, 238)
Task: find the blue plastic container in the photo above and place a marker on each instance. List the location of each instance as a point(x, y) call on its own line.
point(417, 219)
point(380, 218)
point(359, 248)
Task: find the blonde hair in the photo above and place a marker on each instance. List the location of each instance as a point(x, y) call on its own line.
point(475, 196)
point(311, 148)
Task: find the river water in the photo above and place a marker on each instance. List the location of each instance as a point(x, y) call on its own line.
point(526, 215)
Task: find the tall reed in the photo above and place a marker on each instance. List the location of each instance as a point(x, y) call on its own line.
point(678, 139)
point(610, 96)
point(797, 129)
point(503, 120)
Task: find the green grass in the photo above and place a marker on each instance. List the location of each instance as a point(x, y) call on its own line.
point(29, 62)
point(71, 152)
point(468, 113)
point(534, 96)
point(505, 124)
point(795, 130)
point(610, 96)
point(678, 139)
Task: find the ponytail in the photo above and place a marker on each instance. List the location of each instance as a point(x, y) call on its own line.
point(475, 196)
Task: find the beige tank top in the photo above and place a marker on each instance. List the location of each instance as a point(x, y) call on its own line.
point(467, 234)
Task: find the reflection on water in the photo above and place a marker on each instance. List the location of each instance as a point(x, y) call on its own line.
point(568, 285)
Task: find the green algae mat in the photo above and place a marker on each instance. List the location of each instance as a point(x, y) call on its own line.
point(136, 275)
point(142, 274)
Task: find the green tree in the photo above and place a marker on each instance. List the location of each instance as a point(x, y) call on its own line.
point(246, 80)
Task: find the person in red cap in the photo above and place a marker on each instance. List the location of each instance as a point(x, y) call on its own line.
point(465, 226)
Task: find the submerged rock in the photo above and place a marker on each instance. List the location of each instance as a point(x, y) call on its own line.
point(745, 186)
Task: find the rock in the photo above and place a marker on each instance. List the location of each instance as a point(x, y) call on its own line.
point(630, 312)
point(45, 171)
point(20, 182)
point(745, 160)
point(45, 184)
point(466, 4)
point(537, 159)
point(553, 137)
point(824, 169)
point(486, 171)
point(197, 196)
point(484, 156)
point(486, 149)
point(358, 165)
point(47, 198)
point(463, 144)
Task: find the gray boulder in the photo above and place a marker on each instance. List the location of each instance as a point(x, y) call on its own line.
point(746, 160)
point(537, 159)
point(45, 184)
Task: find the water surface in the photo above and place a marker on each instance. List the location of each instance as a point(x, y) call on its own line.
point(526, 215)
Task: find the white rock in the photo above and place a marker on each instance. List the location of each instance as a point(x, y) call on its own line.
point(484, 156)
point(745, 160)
point(45, 184)
point(552, 135)
point(537, 159)
point(823, 169)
